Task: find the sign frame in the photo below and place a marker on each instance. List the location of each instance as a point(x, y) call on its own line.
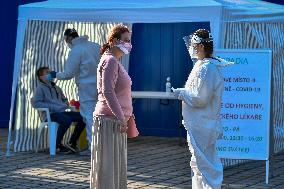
point(269, 124)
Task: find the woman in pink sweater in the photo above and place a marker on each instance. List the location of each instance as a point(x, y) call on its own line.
point(113, 110)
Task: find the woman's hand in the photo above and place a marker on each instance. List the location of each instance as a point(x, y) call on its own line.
point(123, 126)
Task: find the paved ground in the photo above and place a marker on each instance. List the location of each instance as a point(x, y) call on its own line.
point(152, 163)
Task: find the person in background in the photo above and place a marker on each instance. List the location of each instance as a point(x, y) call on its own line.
point(82, 65)
point(49, 95)
point(112, 112)
point(201, 106)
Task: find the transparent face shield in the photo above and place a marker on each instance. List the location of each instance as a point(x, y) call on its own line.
point(192, 41)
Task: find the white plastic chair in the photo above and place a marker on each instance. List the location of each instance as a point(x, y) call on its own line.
point(52, 131)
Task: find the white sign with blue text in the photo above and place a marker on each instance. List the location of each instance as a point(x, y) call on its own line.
point(245, 105)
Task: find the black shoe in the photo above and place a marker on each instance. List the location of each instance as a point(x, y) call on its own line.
point(68, 152)
point(71, 147)
point(62, 149)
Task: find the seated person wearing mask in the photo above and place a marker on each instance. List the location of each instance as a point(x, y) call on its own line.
point(48, 95)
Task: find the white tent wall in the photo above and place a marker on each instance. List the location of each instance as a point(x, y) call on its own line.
point(44, 46)
point(255, 24)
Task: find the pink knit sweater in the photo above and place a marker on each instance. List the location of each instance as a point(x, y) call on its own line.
point(114, 89)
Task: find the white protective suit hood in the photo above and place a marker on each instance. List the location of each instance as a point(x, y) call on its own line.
point(79, 40)
point(222, 62)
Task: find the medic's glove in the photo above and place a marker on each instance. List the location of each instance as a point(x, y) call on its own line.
point(53, 74)
point(177, 91)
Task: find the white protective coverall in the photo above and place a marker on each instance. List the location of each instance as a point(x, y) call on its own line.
point(201, 113)
point(82, 64)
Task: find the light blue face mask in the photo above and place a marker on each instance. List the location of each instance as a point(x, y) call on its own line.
point(49, 78)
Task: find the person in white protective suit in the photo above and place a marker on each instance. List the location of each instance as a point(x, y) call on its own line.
point(201, 105)
point(82, 65)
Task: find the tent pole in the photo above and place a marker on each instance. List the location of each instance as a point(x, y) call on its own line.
point(17, 65)
point(215, 28)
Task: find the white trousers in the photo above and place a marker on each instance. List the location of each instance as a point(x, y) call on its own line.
point(205, 164)
point(86, 110)
point(109, 155)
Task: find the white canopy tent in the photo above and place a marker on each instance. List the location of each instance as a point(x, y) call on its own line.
point(233, 24)
point(140, 11)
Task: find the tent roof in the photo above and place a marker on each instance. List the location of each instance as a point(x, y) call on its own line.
point(118, 4)
point(251, 10)
point(122, 11)
point(156, 11)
